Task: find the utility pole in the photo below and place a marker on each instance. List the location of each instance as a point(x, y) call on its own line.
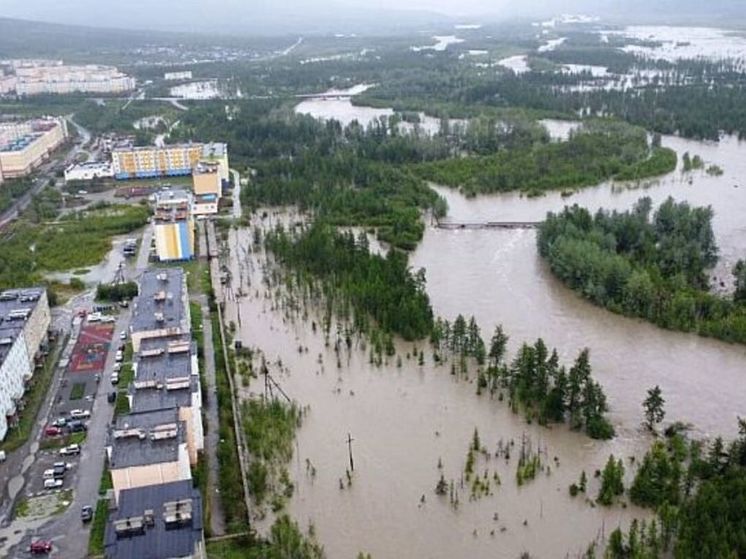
point(349, 448)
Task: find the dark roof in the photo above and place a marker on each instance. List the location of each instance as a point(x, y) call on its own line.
point(163, 538)
point(161, 301)
point(140, 439)
point(164, 377)
point(14, 304)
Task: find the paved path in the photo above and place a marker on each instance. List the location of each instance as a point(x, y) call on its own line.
point(237, 209)
point(212, 427)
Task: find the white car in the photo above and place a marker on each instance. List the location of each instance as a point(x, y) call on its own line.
point(94, 317)
point(52, 483)
point(108, 319)
point(70, 450)
point(80, 414)
point(117, 367)
point(119, 356)
point(48, 474)
point(123, 335)
point(114, 378)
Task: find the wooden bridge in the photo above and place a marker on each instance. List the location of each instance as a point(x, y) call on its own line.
point(488, 225)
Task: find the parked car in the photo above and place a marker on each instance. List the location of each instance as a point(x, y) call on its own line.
point(59, 422)
point(64, 465)
point(123, 335)
point(77, 426)
point(119, 356)
point(108, 318)
point(53, 483)
point(80, 414)
point(70, 450)
point(94, 317)
point(117, 367)
point(114, 378)
point(48, 474)
point(111, 397)
point(52, 431)
point(40, 546)
point(86, 513)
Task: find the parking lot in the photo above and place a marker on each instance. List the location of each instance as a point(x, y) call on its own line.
point(63, 440)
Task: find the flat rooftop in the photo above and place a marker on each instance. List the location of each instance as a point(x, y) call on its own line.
point(167, 147)
point(164, 375)
point(214, 149)
point(155, 522)
point(160, 304)
point(16, 306)
point(172, 206)
point(142, 439)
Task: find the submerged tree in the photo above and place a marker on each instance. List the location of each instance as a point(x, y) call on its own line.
point(653, 405)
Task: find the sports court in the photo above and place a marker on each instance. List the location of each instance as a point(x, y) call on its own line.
point(89, 353)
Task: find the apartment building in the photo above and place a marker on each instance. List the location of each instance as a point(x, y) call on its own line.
point(35, 77)
point(147, 449)
point(162, 307)
point(130, 162)
point(172, 76)
point(157, 522)
point(207, 189)
point(25, 145)
point(167, 377)
point(24, 324)
point(174, 226)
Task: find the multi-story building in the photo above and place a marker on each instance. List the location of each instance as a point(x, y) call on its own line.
point(152, 161)
point(185, 75)
point(24, 146)
point(34, 77)
point(162, 307)
point(88, 171)
point(207, 189)
point(216, 152)
point(167, 377)
point(24, 323)
point(147, 449)
point(157, 522)
point(174, 226)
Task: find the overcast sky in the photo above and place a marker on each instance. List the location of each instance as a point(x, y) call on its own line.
point(312, 15)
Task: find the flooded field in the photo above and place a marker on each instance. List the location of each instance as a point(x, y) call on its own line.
point(407, 420)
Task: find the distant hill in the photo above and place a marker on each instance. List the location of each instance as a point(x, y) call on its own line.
point(235, 17)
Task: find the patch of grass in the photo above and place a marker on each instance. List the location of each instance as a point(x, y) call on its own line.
point(285, 540)
point(48, 443)
point(122, 405)
point(34, 397)
point(77, 438)
point(106, 482)
point(64, 500)
point(98, 528)
point(230, 481)
point(200, 479)
point(126, 374)
point(22, 508)
point(77, 391)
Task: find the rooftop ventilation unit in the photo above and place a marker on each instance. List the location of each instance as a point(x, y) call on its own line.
point(178, 383)
point(159, 317)
point(179, 347)
point(145, 384)
point(19, 314)
point(177, 513)
point(162, 276)
point(128, 434)
point(149, 517)
point(152, 352)
point(159, 297)
point(131, 526)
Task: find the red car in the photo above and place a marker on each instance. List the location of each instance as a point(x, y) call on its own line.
point(41, 546)
point(52, 431)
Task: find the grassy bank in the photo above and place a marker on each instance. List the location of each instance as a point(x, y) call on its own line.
point(34, 397)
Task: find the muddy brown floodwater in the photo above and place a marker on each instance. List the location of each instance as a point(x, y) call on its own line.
point(405, 420)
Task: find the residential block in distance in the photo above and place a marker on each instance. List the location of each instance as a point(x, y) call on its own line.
point(25, 145)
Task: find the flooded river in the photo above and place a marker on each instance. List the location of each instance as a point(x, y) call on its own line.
point(405, 420)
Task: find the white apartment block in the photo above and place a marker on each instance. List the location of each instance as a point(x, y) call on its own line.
point(24, 321)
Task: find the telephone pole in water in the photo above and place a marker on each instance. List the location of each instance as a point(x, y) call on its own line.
point(349, 448)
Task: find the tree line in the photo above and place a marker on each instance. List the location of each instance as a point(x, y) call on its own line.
point(652, 265)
